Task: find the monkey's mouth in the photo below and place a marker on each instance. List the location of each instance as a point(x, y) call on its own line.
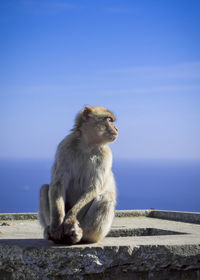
point(113, 136)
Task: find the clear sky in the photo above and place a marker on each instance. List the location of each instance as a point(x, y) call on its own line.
point(141, 59)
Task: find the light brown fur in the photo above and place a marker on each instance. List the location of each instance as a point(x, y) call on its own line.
point(80, 200)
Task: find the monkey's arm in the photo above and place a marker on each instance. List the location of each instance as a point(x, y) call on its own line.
point(84, 199)
point(96, 185)
point(72, 230)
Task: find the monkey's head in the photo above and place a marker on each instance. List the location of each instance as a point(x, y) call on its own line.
point(96, 125)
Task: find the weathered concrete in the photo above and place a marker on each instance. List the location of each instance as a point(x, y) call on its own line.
point(139, 246)
point(176, 216)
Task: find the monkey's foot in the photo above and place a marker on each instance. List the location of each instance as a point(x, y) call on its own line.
point(72, 231)
point(46, 233)
point(54, 234)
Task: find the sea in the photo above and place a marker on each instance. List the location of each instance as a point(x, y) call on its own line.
point(141, 184)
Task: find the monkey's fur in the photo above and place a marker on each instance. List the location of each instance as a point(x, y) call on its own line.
point(79, 203)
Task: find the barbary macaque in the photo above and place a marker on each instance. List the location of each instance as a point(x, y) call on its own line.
point(79, 203)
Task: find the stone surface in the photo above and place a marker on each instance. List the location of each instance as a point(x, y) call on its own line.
point(139, 246)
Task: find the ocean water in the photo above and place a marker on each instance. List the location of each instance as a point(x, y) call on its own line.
point(141, 184)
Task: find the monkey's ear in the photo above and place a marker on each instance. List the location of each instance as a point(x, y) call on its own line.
point(87, 110)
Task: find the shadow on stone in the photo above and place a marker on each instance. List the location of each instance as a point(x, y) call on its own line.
point(141, 232)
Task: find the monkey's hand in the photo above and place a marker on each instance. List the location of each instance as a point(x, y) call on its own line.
point(72, 231)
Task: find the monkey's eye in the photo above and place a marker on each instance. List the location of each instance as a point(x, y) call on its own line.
point(109, 119)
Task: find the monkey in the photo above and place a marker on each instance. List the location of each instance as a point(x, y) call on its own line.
point(79, 203)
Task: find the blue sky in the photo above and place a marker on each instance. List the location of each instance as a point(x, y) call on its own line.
point(141, 59)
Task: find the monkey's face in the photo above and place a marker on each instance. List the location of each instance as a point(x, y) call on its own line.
point(99, 126)
point(105, 129)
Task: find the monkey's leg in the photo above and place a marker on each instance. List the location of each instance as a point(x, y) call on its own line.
point(96, 223)
point(44, 206)
point(44, 215)
point(57, 212)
